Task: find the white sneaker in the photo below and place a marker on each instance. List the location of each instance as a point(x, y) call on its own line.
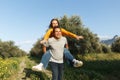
point(77, 63)
point(37, 68)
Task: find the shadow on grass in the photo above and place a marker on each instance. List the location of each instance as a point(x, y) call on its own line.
point(36, 59)
point(34, 75)
point(109, 69)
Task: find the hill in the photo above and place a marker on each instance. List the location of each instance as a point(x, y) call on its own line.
point(109, 41)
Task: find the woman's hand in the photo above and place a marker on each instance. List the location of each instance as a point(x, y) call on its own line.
point(79, 37)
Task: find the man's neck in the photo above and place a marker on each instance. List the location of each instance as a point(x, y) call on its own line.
point(57, 38)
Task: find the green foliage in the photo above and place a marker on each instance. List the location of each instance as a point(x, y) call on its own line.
point(8, 67)
point(36, 51)
point(105, 48)
point(116, 46)
point(100, 56)
point(8, 49)
point(90, 43)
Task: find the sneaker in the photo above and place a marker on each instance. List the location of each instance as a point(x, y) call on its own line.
point(77, 63)
point(37, 68)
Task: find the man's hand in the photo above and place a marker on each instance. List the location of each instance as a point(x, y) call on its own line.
point(79, 37)
point(44, 47)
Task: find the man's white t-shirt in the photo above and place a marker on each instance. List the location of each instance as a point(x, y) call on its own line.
point(57, 48)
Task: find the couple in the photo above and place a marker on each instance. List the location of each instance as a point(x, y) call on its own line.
point(57, 50)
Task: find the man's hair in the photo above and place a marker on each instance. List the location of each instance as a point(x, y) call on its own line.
point(51, 26)
point(56, 28)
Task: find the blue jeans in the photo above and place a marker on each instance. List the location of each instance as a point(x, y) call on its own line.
point(46, 57)
point(57, 70)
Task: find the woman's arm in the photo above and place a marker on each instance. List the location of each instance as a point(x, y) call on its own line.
point(70, 34)
point(46, 36)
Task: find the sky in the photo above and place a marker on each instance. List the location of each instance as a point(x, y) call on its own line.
point(25, 21)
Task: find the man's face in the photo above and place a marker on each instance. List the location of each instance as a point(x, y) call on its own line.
point(54, 23)
point(57, 33)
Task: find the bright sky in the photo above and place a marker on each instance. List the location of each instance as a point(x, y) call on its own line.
point(25, 21)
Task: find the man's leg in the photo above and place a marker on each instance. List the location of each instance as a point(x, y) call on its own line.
point(60, 71)
point(54, 68)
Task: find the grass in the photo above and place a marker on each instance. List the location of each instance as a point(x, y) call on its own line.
point(108, 65)
point(96, 67)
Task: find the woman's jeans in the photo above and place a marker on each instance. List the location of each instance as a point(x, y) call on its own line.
point(57, 70)
point(46, 57)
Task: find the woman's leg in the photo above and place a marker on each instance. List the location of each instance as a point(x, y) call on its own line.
point(71, 59)
point(44, 62)
point(68, 56)
point(45, 59)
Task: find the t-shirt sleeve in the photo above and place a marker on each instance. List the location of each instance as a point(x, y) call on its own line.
point(66, 41)
point(46, 44)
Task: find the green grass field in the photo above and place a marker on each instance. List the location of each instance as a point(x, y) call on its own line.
point(96, 67)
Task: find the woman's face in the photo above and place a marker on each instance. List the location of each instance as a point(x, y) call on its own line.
point(54, 23)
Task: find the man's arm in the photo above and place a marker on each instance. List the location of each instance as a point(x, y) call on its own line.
point(44, 49)
point(44, 46)
point(66, 46)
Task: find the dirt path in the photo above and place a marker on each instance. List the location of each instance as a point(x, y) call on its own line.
point(20, 74)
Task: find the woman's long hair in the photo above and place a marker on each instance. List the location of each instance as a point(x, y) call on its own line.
point(50, 26)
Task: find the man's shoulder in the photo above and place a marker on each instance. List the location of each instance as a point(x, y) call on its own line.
point(51, 38)
point(63, 37)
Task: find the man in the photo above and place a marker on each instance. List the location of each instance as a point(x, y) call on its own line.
point(57, 44)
